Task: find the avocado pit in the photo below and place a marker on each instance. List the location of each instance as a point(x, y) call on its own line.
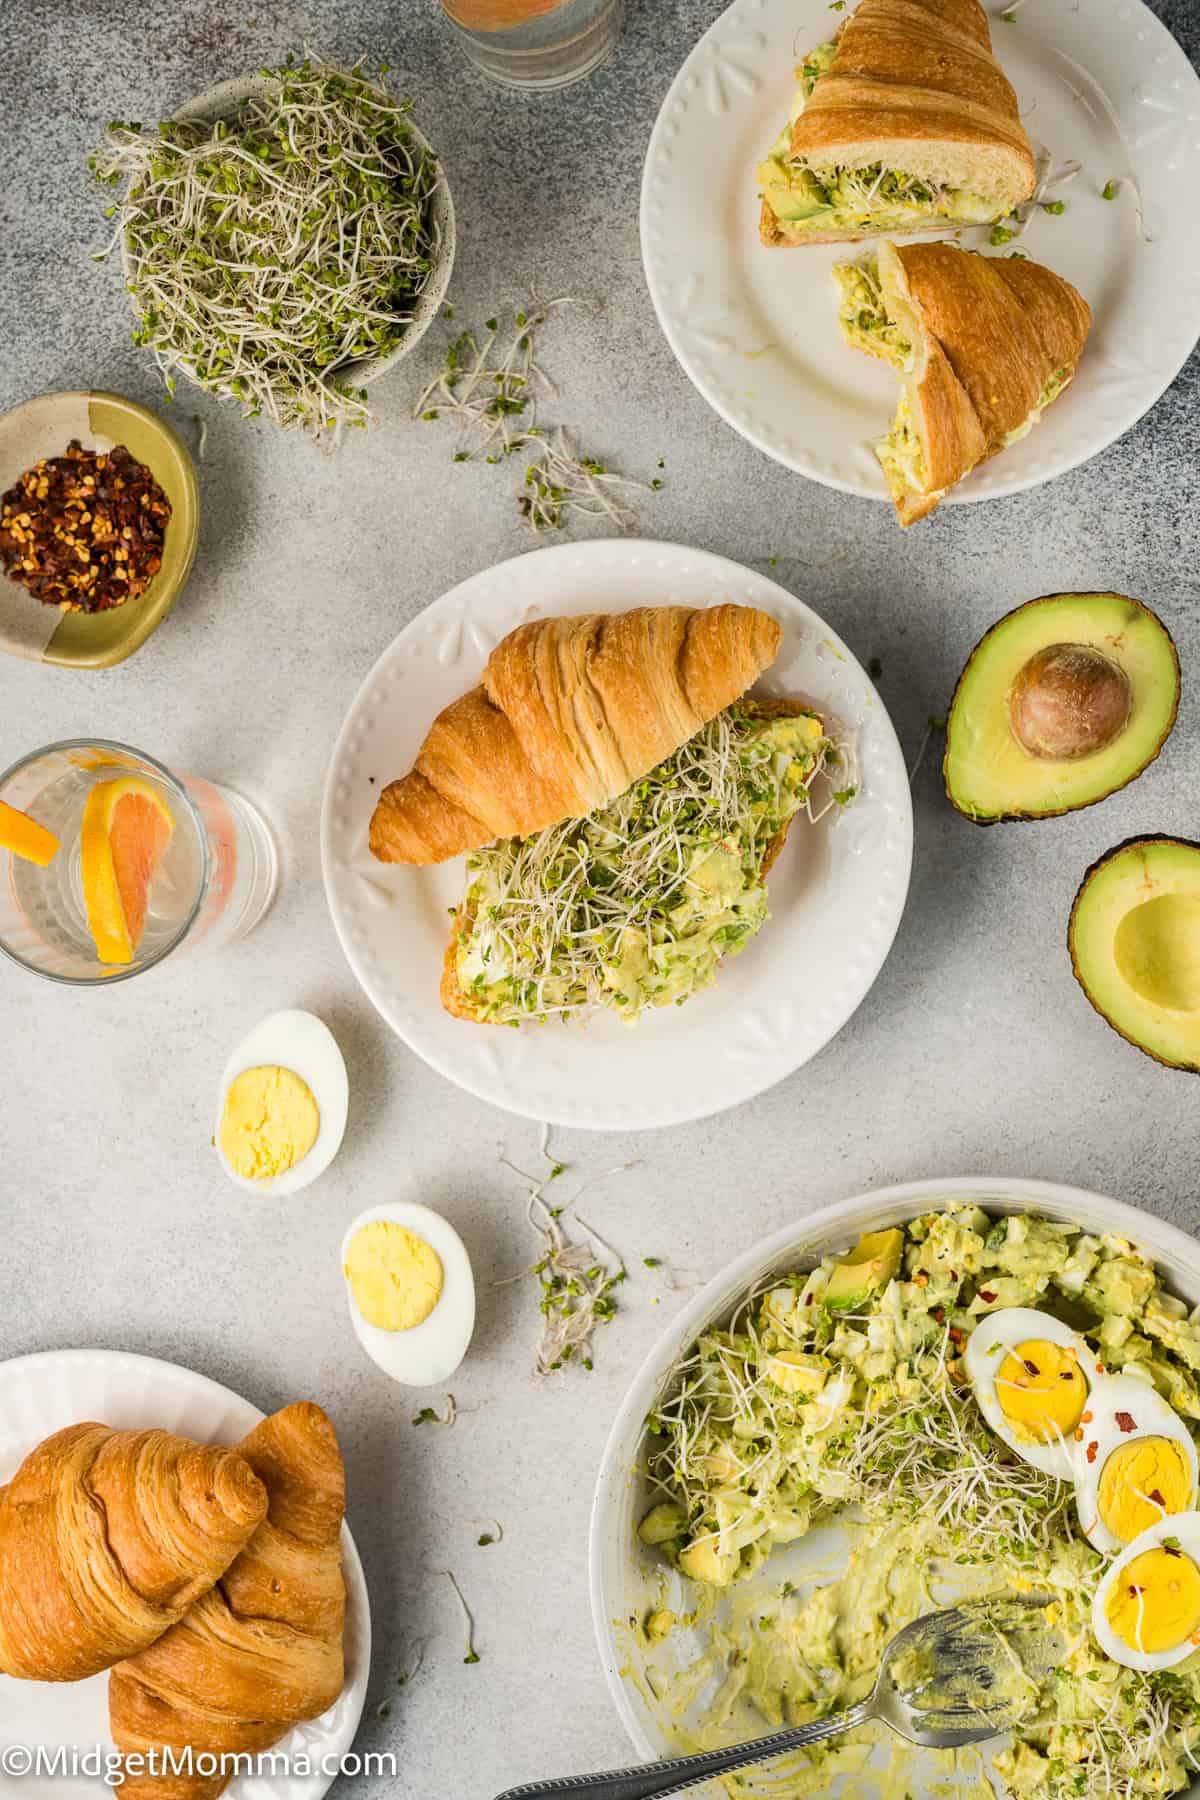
point(1069, 701)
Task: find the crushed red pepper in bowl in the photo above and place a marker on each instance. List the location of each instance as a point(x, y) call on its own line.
point(84, 531)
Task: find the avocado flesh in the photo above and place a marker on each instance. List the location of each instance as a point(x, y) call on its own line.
point(989, 775)
point(792, 194)
point(871, 1264)
point(1135, 945)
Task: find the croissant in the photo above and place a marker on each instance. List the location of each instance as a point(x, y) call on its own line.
point(263, 1650)
point(983, 345)
point(569, 714)
point(106, 1539)
point(906, 120)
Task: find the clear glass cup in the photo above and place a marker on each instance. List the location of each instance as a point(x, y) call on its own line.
point(537, 43)
point(216, 879)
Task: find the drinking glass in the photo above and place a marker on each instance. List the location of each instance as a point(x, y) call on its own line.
point(215, 880)
point(537, 43)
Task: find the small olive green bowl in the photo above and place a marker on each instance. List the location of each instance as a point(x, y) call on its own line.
point(44, 427)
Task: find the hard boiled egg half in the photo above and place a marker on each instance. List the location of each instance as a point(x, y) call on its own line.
point(281, 1115)
point(1032, 1376)
point(1146, 1614)
point(411, 1292)
point(1136, 1462)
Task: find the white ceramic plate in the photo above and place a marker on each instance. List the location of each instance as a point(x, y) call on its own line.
point(756, 329)
point(836, 894)
point(41, 1394)
point(626, 1579)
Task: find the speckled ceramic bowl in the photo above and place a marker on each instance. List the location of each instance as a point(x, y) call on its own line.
point(44, 427)
point(221, 102)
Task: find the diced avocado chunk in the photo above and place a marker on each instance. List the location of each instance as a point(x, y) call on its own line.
point(660, 1625)
point(868, 1268)
point(662, 1523)
point(791, 193)
point(705, 1561)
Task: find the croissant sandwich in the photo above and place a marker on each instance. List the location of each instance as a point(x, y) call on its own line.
point(903, 121)
point(107, 1538)
point(982, 345)
point(263, 1650)
point(620, 801)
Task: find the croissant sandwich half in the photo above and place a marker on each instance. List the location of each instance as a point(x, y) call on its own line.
point(903, 121)
point(982, 346)
point(620, 802)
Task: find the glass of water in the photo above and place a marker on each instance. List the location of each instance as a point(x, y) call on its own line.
point(214, 881)
point(537, 43)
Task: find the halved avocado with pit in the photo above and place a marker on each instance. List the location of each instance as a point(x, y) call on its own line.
point(1134, 938)
point(1061, 703)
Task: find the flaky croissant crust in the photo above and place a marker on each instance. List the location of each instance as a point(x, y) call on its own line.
point(570, 712)
point(107, 1538)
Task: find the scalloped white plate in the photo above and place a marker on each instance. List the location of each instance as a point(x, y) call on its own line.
point(836, 894)
point(41, 1394)
point(756, 329)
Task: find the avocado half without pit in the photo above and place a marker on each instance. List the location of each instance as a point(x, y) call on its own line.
point(1135, 945)
point(1061, 703)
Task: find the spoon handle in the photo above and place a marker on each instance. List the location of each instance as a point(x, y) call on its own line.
point(650, 1780)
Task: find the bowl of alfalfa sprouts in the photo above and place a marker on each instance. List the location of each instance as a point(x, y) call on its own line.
point(286, 239)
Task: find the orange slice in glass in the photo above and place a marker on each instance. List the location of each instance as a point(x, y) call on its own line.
point(25, 837)
point(127, 826)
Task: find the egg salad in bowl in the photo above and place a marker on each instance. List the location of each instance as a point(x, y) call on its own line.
point(964, 1404)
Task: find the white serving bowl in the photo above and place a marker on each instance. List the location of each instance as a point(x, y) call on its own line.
point(221, 102)
point(626, 1579)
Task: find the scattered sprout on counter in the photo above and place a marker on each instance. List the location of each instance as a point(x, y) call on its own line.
point(267, 251)
point(472, 1655)
point(1110, 190)
point(428, 1416)
point(578, 1278)
point(489, 384)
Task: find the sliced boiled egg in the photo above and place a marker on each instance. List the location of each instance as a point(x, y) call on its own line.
point(411, 1292)
point(284, 1096)
point(1146, 1614)
point(1136, 1462)
point(1031, 1375)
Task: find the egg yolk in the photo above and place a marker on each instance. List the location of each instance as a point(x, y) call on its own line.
point(394, 1275)
point(1042, 1391)
point(268, 1123)
point(1155, 1601)
point(1140, 1482)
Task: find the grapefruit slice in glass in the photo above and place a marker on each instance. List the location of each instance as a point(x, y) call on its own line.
point(25, 837)
point(126, 828)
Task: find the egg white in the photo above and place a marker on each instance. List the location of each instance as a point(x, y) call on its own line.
point(996, 1335)
point(1153, 1416)
point(301, 1042)
point(429, 1353)
point(1185, 1527)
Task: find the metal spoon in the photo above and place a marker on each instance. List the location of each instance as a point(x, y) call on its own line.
point(953, 1677)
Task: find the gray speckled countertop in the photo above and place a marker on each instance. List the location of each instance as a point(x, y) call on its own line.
point(974, 1052)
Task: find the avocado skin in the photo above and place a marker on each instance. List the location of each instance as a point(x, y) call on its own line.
point(1132, 843)
point(1017, 816)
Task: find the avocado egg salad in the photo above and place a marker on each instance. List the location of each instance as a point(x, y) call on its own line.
point(979, 1406)
point(636, 904)
point(803, 198)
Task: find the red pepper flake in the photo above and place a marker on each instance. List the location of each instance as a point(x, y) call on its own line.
point(1086, 1418)
point(921, 1278)
point(808, 1299)
point(939, 1314)
point(986, 1294)
point(956, 1336)
point(1092, 1448)
point(1157, 1499)
point(1126, 1421)
point(1031, 1367)
point(84, 531)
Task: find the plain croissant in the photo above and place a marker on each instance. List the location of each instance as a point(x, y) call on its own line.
point(263, 1650)
point(107, 1538)
point(569, 714)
